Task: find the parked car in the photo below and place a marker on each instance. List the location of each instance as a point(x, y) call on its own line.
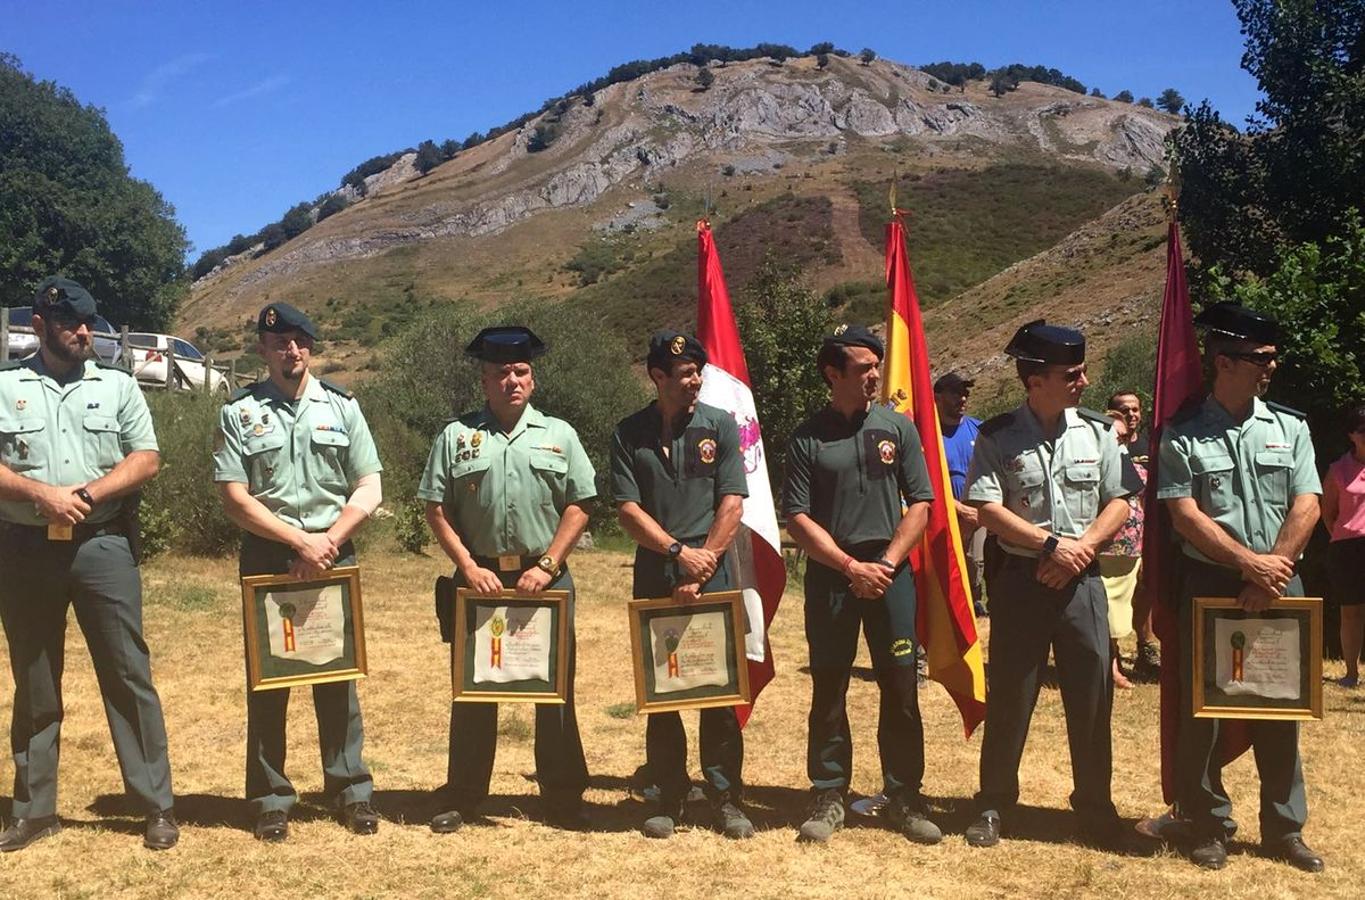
point(146, 356)
point(23, 342)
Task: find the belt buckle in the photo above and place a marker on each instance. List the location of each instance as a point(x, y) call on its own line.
point(60, 531)
point(509, 562)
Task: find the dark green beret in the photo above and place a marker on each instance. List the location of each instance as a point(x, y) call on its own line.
point(668, 345)
point(506, 344)
point(1236, 321)
point(63, 297)
point(281, 318)
point(856, 336)
point(1040, 342)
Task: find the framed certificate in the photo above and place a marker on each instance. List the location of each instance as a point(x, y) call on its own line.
point(303, 632)
point(509, 647)
point(1261, 665)
point(689, 655)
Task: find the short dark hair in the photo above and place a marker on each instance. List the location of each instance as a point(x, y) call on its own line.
point(1114, 398)
point(831, 354)
point(668, 365)
point(1026, 367)
point(1355, 417)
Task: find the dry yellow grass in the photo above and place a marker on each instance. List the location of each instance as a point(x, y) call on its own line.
point(193, 628)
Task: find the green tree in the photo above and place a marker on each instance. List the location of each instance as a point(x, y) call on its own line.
point(1145, 102)
point(824, 48)
point(1096, 92)
point(334, 204)
point(705, 78)
point(272, 236)
point(781, 323)
point(821, 60)
point(1171, 101)
point(297, 220)
point(867, 55)
point(68, 206)
point(542, 137)
point(450, 148)
point(1124, 96)
point(428, 157)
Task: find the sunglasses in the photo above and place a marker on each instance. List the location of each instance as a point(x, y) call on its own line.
point(1261, 358)
point(71, 323)
point(1072, 376)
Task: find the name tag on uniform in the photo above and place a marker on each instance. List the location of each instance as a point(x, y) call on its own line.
point(509, 563)
point(59, 532)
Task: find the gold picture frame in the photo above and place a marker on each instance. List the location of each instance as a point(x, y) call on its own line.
point(658, 629)
point(1261, 665)
point(497, 637)
point(325, 642)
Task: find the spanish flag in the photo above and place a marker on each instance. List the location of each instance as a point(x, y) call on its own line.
point(945, 624)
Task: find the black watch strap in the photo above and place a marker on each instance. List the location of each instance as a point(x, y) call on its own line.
point(85, 496)
point(674, 550)
point(1050, 544)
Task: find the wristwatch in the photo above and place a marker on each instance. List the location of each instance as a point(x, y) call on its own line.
point(1050, 544)
point(548, 565)
point(674, 550)
point(85, 497)
point(885, 563)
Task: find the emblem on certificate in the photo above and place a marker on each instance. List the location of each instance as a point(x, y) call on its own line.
point(689, 655)
point(1261, 665)
point(303, 632)
point(509, 647)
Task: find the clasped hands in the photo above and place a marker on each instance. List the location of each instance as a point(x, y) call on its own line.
point(698, 565)
point(59, 504)
point(314, 554)
point(1068, 560)
point(869, 580)
point(1266, 576)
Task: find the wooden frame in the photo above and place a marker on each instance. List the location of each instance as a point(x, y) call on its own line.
point(725, 609)
point(469, 631)
point(1300, 642)
point(268, 667)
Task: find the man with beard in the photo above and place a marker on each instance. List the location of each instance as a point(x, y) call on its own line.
point(1239, 479)
point(298, 471)
point(856, 498)
point(507, 489)
point(677, 478)
point(76, 445)
point(1048, 482)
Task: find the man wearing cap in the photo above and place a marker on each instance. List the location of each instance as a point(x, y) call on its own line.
point(76, 446)
point(298, 471)
point(1048, 482)
point(677, 478)
point(507, 489)
point(1239, 479)
point(856, 498)
point(959, 438)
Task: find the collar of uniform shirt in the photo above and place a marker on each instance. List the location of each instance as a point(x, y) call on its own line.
point(1219, 413)
point(530, 418)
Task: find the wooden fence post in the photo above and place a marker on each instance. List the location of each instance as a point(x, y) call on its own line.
point(208, 374)
point(4, 334)
point(125, 355)
point(170, 368)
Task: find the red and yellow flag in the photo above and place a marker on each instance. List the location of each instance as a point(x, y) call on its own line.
point(945, 624)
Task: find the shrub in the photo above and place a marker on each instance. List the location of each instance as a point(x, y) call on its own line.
point(542, 137)
point(180, 506)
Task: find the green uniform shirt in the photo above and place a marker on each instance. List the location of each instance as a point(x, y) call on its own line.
point(681, 490)
point(300, 458)
point(68, 432)
point(505, 493)
point(853, 478)
point(1244, 475)
point(1059, 483)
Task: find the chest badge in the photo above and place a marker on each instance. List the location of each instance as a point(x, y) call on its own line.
point(244, 416)
point(706, 449)
point(1215, 481)
point(459, 441)
point(476, 439)
point(258, 430)
point(887, 451)
point(20, 405)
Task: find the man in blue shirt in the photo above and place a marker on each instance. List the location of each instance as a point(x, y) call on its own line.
point(959, 438)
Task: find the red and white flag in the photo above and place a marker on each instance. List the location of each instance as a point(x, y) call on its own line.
point(757, 551)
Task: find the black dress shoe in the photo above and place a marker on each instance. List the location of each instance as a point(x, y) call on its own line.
point(985, 831)
point(272, 826)
point(25, 831)
point(1295, 852)
point(162, 832)
point(1210, 853)
point(447, 822)
point(359, 817)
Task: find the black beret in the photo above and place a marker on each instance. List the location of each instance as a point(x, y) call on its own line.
point(281, 318)
point(952, 383)
point(62, 296)
point(668, 345)
point(1236, 321)
point(505, 344)
point(1040, 342)
point(855, 336)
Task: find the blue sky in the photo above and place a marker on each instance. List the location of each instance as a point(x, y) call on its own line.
point(236, 111)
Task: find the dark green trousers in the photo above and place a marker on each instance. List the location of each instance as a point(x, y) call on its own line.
point(1275, 745)
point(834, 617)
point(561, 770)
point(1027, 620)
point(721, 742)
point(39, 579)
point(341, 733)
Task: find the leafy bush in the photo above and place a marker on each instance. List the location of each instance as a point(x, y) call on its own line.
point(542, 137)
point(334, 204)
point(180, 506)
point(1124, 96)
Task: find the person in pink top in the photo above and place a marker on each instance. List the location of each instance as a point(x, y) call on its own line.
point(1343, 512)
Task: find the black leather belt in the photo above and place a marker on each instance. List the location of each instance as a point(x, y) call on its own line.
point(510, 562)
point(79, 533)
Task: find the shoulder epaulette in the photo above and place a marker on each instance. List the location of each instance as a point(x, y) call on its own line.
point(10, 364)
point(996, 423)
point(99, 363)
point(336, 388)
point(243, 392)
point(1188, 410)
point(1287, 410)
point(1094, 416)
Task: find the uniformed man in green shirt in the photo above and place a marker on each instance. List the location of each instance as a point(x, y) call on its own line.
point(76, 445)
point(856, 498)
point(1239, 479)
point(677, 478)
point(298, 471)
point(1049, 483)
point(507, 489)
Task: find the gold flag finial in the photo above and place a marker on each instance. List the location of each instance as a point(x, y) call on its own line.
point(895, 176)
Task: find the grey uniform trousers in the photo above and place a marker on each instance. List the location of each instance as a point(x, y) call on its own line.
point(1027, 619)
point(98, 577)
